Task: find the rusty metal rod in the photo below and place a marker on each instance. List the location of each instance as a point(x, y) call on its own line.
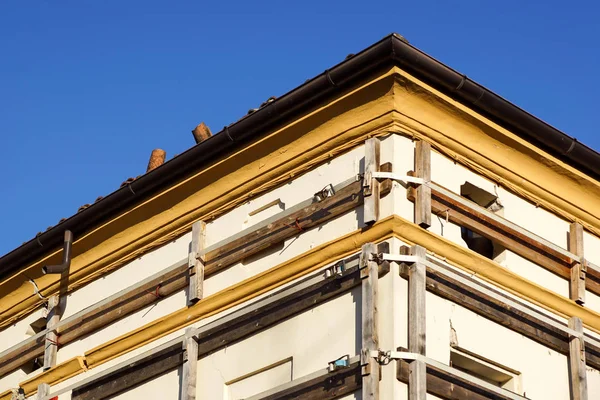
point(66, 263)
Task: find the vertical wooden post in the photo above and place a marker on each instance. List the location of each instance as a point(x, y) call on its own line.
point(423, 195)
point(43, 391)
point(195, 263)
point(577, 373)
point(370, 338)
point(417, 379)
point(190, 364)
point(51, 344)
point(371, 185)
point(577, 283)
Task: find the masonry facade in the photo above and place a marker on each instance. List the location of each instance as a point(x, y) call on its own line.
point(384, 240)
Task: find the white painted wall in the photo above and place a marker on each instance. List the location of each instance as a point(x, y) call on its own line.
point(495, 342)
point(517, 210)
point(343, 167)
point(330, 330)
point(18, 331)
point(311, 339)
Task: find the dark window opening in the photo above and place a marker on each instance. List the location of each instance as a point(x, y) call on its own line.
point(36, 326)
point(33, 365)
point(475, 241)
point(33, 329)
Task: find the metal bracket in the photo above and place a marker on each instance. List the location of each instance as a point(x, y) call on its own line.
point(411, 357)
point(340, 363)
point(399, 178)
point(336, 270)
point(324, 193)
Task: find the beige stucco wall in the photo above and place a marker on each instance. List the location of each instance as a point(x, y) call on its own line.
point(519, 211)
point(336, 171)
point(330, 330)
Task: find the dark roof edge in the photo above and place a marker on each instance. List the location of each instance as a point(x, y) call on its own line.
point(391, 49)
point(488, 103)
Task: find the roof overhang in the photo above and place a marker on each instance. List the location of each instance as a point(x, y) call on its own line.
point(392, 50)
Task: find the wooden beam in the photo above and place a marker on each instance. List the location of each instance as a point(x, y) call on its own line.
point(276, 231)
point(578, 270)
point(369, 336)
point(43, 391)
point(446, 386)
point(130, 374)
point(509, 313)
point(532, 247)
point(290, 301)
point(261, 314)
point(170, 281)
point(153, 289)
point(320, 385)
point(423, 192)
point(417, 385)
point(51, 344)
point(317, 289)
point(190, 366)
point(495, 310)
point(577, 372)
point(371, 191)
point(174, 278)
point(196, 263)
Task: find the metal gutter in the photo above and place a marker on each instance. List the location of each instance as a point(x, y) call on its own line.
point(392, 49)
point(500, 110)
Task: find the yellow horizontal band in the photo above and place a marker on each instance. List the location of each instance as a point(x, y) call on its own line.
point(279, 156)
point(54, 375)
point(393, 226)
point(395, 101)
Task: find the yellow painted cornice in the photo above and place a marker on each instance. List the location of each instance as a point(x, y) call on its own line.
point(493, 151)
point(314, 259)
point(392, 102)
point(56, 374)
point(334, 128)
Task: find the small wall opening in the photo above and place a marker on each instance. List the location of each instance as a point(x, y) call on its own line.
point(36, 327)
point(480, 244)
point(485, 369)
point(33, 365)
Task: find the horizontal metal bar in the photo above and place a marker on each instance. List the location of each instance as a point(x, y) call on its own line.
point(91, 308)
point(179, 264)
point(301, 285)
point(401, 258)
point(297, 382)
point(434, 264)
point(397, 177)
point(593, 266)
point(315, 278)
point(283, 214)
point(401, 355)
point(116, 367)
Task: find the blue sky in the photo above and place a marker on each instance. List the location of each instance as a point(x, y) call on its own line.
point(89, 88)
